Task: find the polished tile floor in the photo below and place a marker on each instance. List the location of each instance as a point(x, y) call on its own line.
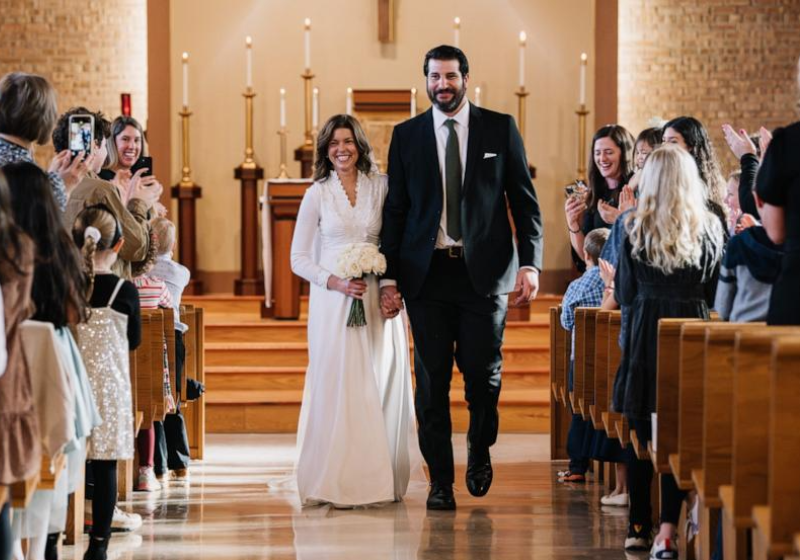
point(241, 504)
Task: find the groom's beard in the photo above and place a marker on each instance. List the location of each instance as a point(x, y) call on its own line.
point(452, 104)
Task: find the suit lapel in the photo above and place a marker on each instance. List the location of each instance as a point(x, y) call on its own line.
point(432, 155)
point(474, 143)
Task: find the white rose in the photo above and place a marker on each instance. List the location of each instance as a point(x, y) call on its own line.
point(365, 262)
point(354, 270)
point(379, 267)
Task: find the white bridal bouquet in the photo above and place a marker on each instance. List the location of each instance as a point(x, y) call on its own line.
point(356, 261)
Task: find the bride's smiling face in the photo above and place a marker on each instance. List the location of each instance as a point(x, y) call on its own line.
point(342, 151)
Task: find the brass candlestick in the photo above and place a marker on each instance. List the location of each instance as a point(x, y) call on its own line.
point(582, 112)
point(307, 77)
point(521, 94)
point(186, 171)
point(282, 133)
point(249, 161)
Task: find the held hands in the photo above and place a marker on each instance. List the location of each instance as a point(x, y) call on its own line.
point(391, 302)
point(526, 286)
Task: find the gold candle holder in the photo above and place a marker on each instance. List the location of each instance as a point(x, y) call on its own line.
point(283, 173)
point(186, 172)
point(307, 77)
point(521, 94)
point(582, 112)
point(249, 161)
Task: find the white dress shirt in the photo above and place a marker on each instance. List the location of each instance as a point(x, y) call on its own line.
point(442, 134)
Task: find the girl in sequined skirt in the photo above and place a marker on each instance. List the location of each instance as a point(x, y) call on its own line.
point(113, 329)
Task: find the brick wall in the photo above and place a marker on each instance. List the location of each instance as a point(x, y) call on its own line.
point(718, 60)
point(91, 51)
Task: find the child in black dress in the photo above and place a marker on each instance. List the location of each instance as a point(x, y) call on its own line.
point(668, 267)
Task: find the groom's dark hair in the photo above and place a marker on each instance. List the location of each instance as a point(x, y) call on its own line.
point(446, 52)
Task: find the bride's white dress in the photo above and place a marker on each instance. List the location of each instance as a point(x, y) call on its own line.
point(356, 438)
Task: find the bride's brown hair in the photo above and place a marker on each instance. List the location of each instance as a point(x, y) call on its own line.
point(323, 166)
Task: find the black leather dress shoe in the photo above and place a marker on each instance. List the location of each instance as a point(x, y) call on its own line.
point(479, 472)
point(440, 497)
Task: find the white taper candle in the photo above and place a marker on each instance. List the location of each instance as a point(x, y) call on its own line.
point(283, 108)
point(456, 32)
point(522, 40)
point(583, 79)
point(249, 60)
point(413, 102)
point(348, 106)
point(185, 59)
point(315, 110)
point(307, 49)
point(478, 96)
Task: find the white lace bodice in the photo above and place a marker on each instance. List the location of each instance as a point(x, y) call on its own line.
point(327, 222)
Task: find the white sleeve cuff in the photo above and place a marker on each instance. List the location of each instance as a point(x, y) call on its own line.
point(387, 282)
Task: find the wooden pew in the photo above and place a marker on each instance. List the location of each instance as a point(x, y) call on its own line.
point(777, 522)
point(586, 394)
point(601, 349)
point(750, 430)
point(559, 417)
point(577, 371)
point(613, 419)
point(195, 411)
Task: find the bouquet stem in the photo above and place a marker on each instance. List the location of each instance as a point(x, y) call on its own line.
point(357, 317)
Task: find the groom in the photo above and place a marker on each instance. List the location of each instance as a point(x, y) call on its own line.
point(451, 253)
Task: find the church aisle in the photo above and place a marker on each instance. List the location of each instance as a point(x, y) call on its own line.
point(229, 512)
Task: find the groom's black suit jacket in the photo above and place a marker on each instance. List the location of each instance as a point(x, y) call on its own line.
point(413, 207)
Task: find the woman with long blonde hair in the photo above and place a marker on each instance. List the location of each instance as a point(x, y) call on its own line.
point(668, 267)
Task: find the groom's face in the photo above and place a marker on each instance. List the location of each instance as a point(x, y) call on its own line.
point(446, 85)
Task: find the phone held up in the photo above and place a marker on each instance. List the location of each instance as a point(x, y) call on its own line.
point(144, 162)
point(81, 134)
point(578, 189)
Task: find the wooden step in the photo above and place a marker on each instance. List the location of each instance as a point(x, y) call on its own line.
point(521, 411)
point(222, 378)
point(516, 332)
point(296, 354)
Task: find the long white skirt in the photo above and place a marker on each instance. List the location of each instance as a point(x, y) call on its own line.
point(356, 440)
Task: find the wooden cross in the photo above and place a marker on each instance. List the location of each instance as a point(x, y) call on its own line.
point(386, 21)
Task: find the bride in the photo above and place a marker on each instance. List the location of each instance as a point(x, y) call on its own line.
point(356, 437)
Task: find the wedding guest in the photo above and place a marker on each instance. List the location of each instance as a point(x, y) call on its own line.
point(127, 145)
point(28, 113)
point(610, 167)
point(132, 215)
point(777, 185)
point(153, 294)
point(176, 277)
point(667, 268)
point(748, 150)
point(20, 453)
point(648, 140)
point(690, 134)
point(112, 331)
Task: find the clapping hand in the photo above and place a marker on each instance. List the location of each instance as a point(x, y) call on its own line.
point(627, 198)
point(607, 212)
point(607, 272)
point(764, 138)
point(739, 143)
point(391, 302)
point(745, 221)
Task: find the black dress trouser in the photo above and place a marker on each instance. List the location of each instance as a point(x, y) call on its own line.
point(449, 319)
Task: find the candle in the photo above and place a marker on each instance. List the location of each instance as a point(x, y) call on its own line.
point(522, 40)
point(456, 31)
point(583, 78)
point(478, 96)
point(185, 59)
point(315, 110)
point(308, 44)
point(249, 61)
point(349, 102)
point(283, 108)
point(413, 102)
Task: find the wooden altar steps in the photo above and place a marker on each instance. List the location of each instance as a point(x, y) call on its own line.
point(255, 369)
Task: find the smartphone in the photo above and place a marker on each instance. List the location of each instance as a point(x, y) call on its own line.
point(577, 189)
point(81, 134)
point(144, 162)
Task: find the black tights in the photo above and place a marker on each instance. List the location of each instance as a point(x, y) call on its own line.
point(5, 531)
point(103, 494)
point(640, 477)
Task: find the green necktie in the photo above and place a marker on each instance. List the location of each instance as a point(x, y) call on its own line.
point(452, 179)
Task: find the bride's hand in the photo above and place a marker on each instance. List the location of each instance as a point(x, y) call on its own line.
point(391, 302)
point(354, 287)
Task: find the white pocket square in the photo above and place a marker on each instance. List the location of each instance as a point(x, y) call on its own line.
point(489, 155)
